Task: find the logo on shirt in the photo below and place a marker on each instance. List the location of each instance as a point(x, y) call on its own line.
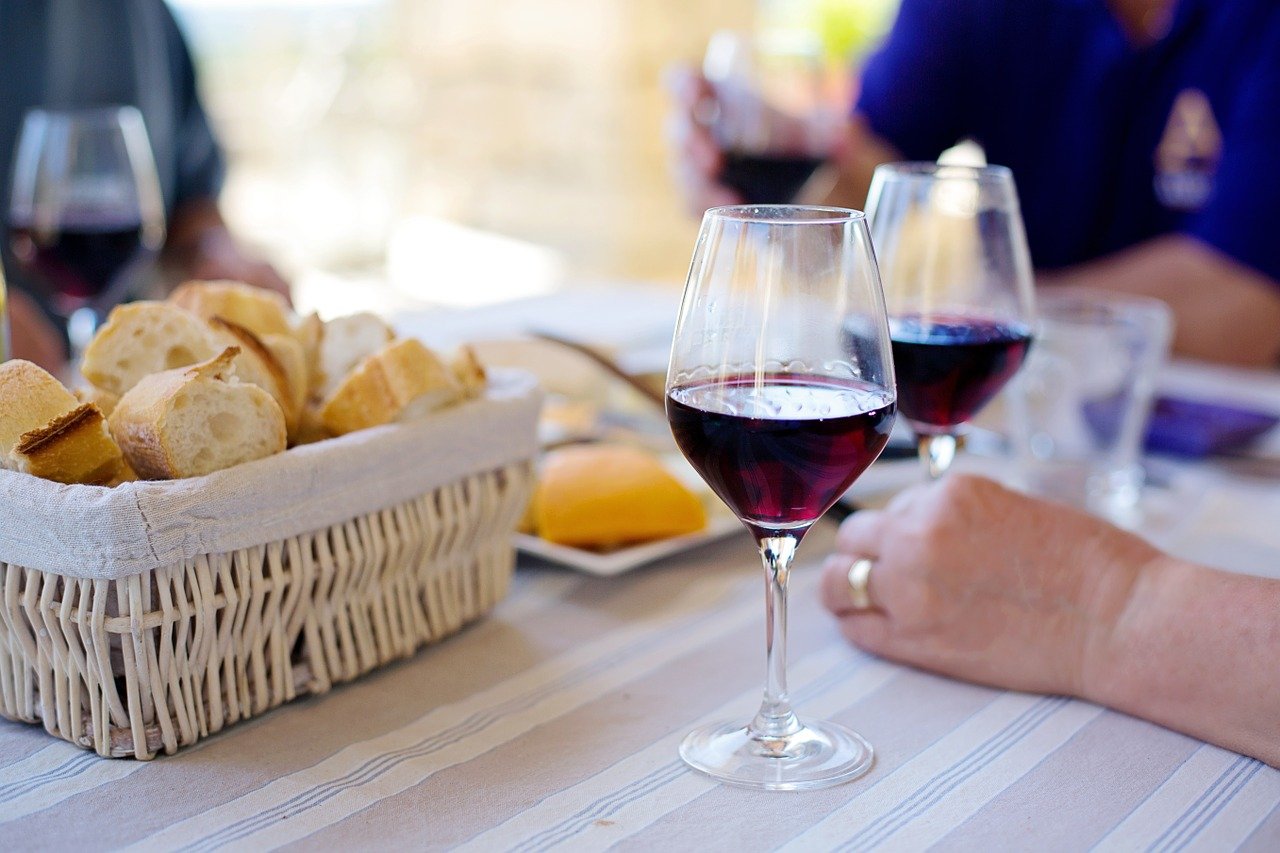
point(1187, 157)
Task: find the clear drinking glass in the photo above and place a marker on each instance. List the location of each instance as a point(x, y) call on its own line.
point(958, 282)
point(85, 213)
point(779, 415)
point(772, 119)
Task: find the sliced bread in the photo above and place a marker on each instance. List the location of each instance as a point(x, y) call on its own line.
point(346, 342)
point(195, 420)
point(257, 363)
point(402, 381)
point(142, 338)
point(469, 372)
point(74, 447)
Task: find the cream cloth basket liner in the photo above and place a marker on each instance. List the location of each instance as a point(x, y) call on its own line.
point(93, 532)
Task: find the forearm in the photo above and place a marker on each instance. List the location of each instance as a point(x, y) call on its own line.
point(1223, 311)
point(1197, 650)
point(194, 223)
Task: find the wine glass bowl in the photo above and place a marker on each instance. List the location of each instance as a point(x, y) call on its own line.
point(85, 211)
point(779, 414)
point(772, 118)
point(958, 285)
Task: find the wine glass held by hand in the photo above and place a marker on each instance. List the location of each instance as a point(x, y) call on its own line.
point(770, 116)
point(958, 283)
point(780, 416)
point(85, 214)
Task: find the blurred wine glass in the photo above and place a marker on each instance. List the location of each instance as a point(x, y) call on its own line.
point(771, 116)
point(779, 417)
point(958, 284)
point(85, 215)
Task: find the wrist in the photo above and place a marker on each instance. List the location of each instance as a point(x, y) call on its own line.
point(1116, 650)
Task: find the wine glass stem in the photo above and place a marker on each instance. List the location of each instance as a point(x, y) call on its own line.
point(775, 718)
point(937, 452)
point(81, 326)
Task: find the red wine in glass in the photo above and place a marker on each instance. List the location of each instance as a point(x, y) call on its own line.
point(82, 258)
point(767, 178)
point(948, 368)
point(780, 449)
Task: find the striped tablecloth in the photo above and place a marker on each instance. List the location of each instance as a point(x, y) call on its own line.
point(554, 724)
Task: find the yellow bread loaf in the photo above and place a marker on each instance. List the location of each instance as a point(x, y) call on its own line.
point(602, 496)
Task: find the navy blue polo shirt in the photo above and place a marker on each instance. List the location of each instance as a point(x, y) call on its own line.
point(1110, 144)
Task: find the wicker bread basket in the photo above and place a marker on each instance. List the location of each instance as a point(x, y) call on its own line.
point(145, 617)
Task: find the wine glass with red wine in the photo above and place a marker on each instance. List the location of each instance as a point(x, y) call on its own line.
point(772, 118)
point(957, 279)
point(85, 213)
point(779, 417)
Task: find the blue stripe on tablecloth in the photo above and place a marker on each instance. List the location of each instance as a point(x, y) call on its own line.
point(624, 796)
point(65, 770)
point(1191, 822)
point(928, 795)
point(379, 765)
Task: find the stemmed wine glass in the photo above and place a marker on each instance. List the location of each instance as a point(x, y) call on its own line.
point(85, 212)
point(772, 117)
point(957, 279)
point(780, 416)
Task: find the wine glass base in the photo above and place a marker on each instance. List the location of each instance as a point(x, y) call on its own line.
point(819, 755)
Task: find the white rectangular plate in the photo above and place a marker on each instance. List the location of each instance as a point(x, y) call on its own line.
point(610, 563)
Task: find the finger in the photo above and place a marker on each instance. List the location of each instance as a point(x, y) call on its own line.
point(834, 589)
point(862, 533)
point(869, 630)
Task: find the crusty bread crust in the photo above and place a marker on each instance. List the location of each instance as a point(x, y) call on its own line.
point(74, 447)
point(141, 338)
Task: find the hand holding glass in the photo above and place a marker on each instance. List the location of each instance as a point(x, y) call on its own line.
point(958, 282)
point(780, 416)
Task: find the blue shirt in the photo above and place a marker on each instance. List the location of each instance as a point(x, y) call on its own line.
point(1110, 144)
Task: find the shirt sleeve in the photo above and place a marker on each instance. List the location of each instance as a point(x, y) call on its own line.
point(916, 88)
point(200, 165)
point(1243, 210)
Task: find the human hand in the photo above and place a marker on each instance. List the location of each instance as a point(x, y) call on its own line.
point(32, 336)
point(981, 583)
point(696, 159)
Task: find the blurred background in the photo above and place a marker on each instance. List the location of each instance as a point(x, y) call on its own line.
point(462, 152)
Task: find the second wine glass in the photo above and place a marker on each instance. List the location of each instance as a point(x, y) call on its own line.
point(957, 279)
point(779, 417)
point(86, 213)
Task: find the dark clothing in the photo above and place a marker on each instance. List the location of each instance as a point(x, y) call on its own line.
point(1110, 144)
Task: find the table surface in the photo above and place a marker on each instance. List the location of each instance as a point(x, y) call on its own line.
point(554, 724)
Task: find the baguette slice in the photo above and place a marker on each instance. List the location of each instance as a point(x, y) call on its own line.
point(469, 372)
point(29, 398)
point(289, 354)
point(191, 421)
point(74, 447)
point(402, 381)
point(262, 312)
point(142, 338)
point(258, 365)
point(346, 342)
